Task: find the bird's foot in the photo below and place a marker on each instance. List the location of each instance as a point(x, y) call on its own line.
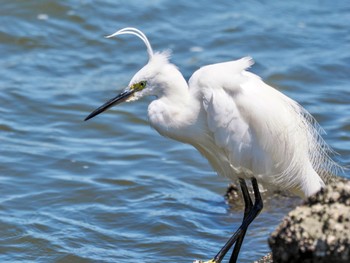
point(209, 261)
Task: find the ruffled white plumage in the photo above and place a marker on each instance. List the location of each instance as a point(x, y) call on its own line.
point(244, 127)
point(263, 133)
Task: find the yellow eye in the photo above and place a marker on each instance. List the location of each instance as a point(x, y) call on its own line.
point(139, 86)
point(142, 84)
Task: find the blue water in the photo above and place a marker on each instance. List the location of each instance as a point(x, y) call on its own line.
point(112, 189)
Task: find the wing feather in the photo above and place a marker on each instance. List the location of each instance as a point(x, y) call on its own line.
point(262, 131)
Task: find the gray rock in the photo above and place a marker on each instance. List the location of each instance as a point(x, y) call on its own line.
point(318, 230)
point(265, 259)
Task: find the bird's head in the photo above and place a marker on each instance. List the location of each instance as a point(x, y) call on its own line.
point(147, 81)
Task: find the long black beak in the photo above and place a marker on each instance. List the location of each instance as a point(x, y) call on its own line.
point(116, 100)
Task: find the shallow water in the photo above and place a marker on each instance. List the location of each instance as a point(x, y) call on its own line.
point(112, 189)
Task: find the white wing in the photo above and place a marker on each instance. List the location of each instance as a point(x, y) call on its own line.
point(263, 132)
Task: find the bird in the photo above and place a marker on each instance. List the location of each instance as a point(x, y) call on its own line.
point(249, 132)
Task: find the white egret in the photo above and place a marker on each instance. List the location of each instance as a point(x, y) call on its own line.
point(246, 129)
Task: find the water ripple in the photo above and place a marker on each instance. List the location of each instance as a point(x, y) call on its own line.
point(112, 189)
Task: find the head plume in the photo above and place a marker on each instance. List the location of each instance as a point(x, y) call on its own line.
point(138, 33)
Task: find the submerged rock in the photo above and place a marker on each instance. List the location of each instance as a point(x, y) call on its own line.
point(318, 230)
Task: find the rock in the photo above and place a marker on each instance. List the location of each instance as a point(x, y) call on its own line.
point(233, 193)
point(317, 231)
point(265, 259)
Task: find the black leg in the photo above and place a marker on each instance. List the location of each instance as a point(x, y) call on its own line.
point(250, 213)
point(248, 206)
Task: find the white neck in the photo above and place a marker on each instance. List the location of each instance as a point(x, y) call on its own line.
point(175, 111)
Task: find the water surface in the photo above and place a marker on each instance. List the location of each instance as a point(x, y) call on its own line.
point(112, 189)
